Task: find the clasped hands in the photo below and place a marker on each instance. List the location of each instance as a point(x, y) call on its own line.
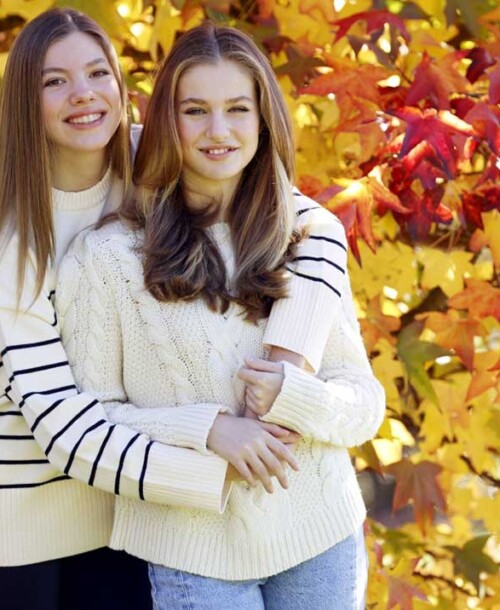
point(256, 450)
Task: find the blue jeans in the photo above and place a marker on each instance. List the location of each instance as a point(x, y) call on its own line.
point(334, 580)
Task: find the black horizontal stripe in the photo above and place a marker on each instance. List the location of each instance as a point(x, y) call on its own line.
point(304, 210)
point(11, 437)
point(328, 239)
point(38, 369)
point(77, 444)
point(315, 279)
point(13, 413)
point(11, 348)
point(27, 485)
point(122, 461)
point(62, 388)
point(144, 469)
point(15, 462)
point(53, 406)
point(99, 455)
point(319, 259)
point(68, 426)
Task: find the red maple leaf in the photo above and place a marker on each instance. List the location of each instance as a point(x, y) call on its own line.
point(420, 163)
point(480, 61)
point(437, 128)
point(494, 90)
point(375, 20)
point(424, 210)
point(354, 207)
point(483, 199)
point(436, 83)
point(485, 119)
point(418, 483)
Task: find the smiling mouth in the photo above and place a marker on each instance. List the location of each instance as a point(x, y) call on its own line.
point(85, 119)
point(217, 151)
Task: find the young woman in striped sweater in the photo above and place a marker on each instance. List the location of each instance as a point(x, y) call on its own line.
point(64, 162)
point(171, 308)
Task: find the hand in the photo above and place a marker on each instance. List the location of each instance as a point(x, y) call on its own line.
point(257, 450)
point(263, 381)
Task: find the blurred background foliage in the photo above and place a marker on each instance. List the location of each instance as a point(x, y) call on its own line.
point(396, 113)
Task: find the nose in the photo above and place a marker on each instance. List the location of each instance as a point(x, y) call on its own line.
point(81, 92)
point(218, 126)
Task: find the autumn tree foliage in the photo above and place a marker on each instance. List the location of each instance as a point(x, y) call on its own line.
point(397, 117)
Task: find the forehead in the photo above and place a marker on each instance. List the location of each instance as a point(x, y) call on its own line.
point(76, 48)
point(222, 80)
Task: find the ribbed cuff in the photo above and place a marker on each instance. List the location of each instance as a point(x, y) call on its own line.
point(301, 323)
point(194, 423)
point(297, 403)
point(184, 477)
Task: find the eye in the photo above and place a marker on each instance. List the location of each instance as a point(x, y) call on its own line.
point(53, 82)
point(239, 109)
point(194, 111)
point(99, 73)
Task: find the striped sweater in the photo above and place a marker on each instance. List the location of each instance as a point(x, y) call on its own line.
point(50, 432)
point(170, 359)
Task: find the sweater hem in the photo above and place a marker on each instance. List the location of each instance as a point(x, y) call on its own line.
point(211, 556)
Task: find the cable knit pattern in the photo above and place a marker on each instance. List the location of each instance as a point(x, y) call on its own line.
point(181, 357)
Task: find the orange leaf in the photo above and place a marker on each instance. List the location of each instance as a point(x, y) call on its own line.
point(377, 325)
point(348, 80)
point(486, 374)
point(402, 593)
point(480, 298)
point(418, 482)
point(453, 332)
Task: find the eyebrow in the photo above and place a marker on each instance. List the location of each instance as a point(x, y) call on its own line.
point(90, 64)
point(202, 102)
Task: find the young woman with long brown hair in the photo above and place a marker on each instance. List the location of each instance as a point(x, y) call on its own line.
point(64, 162)
point(204, 268)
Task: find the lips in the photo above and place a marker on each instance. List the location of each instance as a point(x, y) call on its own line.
point(85, 119)
point(218, 151)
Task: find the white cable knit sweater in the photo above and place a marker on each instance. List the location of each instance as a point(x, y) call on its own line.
point(178, 362)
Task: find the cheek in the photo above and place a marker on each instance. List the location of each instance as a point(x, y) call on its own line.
point(186, 133)
point(49, 112)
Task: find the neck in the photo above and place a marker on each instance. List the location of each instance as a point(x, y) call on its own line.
point(79, 171)
point(200, 196)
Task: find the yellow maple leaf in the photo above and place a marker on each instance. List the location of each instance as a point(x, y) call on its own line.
point(393, 266)
point(444, 269)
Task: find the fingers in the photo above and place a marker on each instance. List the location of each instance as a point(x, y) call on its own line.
point(243, 469)
point(283, 453)
point(261, 471)
point(249, 413)
point(258, 364)
point(283, 434)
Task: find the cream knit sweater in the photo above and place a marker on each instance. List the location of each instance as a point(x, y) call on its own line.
point(178, 362)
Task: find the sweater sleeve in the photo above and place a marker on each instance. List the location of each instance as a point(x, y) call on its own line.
point(344, 404)
point(72, 427)
point(301, 322)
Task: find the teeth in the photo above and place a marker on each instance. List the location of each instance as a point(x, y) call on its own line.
point(218, 151)
point(87, 118)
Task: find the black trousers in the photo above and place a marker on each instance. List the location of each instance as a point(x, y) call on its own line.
point(98, 580)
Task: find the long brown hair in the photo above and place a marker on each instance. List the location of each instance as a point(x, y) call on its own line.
point(180, 259)
point(25, 167)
